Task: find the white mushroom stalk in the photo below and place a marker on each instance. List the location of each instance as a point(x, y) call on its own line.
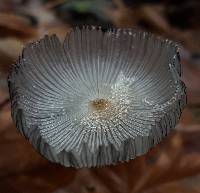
point(98, 98)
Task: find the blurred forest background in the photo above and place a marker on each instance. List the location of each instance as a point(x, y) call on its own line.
point(172, 167)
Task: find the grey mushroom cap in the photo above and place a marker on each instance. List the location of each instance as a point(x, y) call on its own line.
point(98, 98)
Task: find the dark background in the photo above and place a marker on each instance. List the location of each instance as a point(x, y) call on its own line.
point(172, 167)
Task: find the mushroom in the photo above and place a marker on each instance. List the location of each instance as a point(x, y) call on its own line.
point(100, 98)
